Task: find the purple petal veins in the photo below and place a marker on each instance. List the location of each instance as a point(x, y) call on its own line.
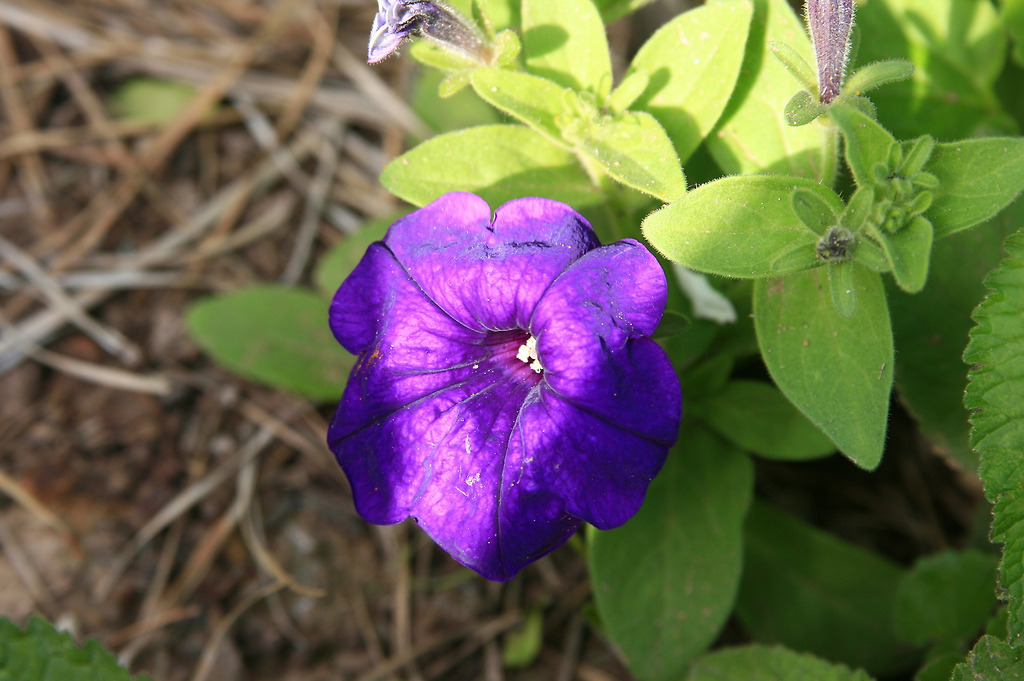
point(506, 388)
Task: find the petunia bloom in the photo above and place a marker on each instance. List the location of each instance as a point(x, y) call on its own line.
point(506, 387)
point(397, 20)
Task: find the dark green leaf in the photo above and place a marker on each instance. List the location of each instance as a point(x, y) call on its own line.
point(758, 418)
point(836, 370)
point(946, 598)
point(764, 663)
point(274, 335)
point(842, 286)
point(665, 582)
point(816, 593)
point(1013, 19)
point(565, 41)
point(692, 63)
point(41, 653)
point(977, 179)
point(992, 660)
point(752, 135)
point(498, 162)
point(739, 226)
point(995, 393)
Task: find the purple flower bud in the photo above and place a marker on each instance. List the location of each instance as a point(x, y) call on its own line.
point(830, 22)
point(396, 20)
point(506, 387)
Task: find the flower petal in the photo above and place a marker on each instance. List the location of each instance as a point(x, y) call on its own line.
point(489, 274)
point(591, 329)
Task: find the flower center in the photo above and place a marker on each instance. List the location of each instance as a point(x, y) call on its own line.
point(528, 354)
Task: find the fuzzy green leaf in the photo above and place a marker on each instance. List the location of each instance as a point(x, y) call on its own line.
point(816, 593)
point(41, 653)
point(498, 162)
point(741, 226)
point(665, 582)
point(274, 335)
point(758, 418)
point(992, 660)
point(769, 663)
point(752, 135)
point(977, 179)
point(565, 41)
point(995, 393)
point(867, 142)
point(908, 252)
point(837, 370)
point(692, 63)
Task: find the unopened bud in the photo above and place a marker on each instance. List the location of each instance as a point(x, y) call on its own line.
point(397, 20)
point(830, 22)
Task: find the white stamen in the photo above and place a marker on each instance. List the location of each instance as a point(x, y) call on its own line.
point(528, 354)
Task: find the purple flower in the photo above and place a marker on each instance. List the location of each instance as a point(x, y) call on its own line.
point(506, 387)
point(396, 20)
point(830, 22)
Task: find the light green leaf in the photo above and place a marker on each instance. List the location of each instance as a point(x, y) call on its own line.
point(565, 41)
point(867, 142)
point(946, 598)
point(41, 653)
point(992, 660)
point(758, 418)
point(958, 49)
point(769, 663)
point(876, 74)
point(995, 393)
point(633, 149)
point(542, 104)
point(665, 582)
point(752, 135)
point(836, 370)
point(692, 63)
point(740, 226)
point(523, 644)
point(274, 335)
point(977, 179)
point(909, 251)
point(151, 100)
point(816, 593)
point(498, 162)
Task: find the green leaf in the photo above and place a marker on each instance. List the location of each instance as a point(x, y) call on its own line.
point(693, 63)
point(769, 663)
point(796, 65)
point(1013, 19)
point(842, 287)
point(758, 418)
point(992, 660)
point(615, 9)
point(740, 226)
point(803, 108)
point(151, 100)
point(931, 327)
point(273, 335)
point(995, 394)
point(867, 142)
point(461, 110)
point(977, 179)
point(909, 251)
point(565, 41)
point(876, 74)
point(633, 149)
point(339, 262)
point(946, 598)
point(523, 644)
point(41, 653)
point(665, 582)
point(814, 592)
point(958, 49)
point(752, 135)
point(542, 104)
point(836, 370)
point(498, 162)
